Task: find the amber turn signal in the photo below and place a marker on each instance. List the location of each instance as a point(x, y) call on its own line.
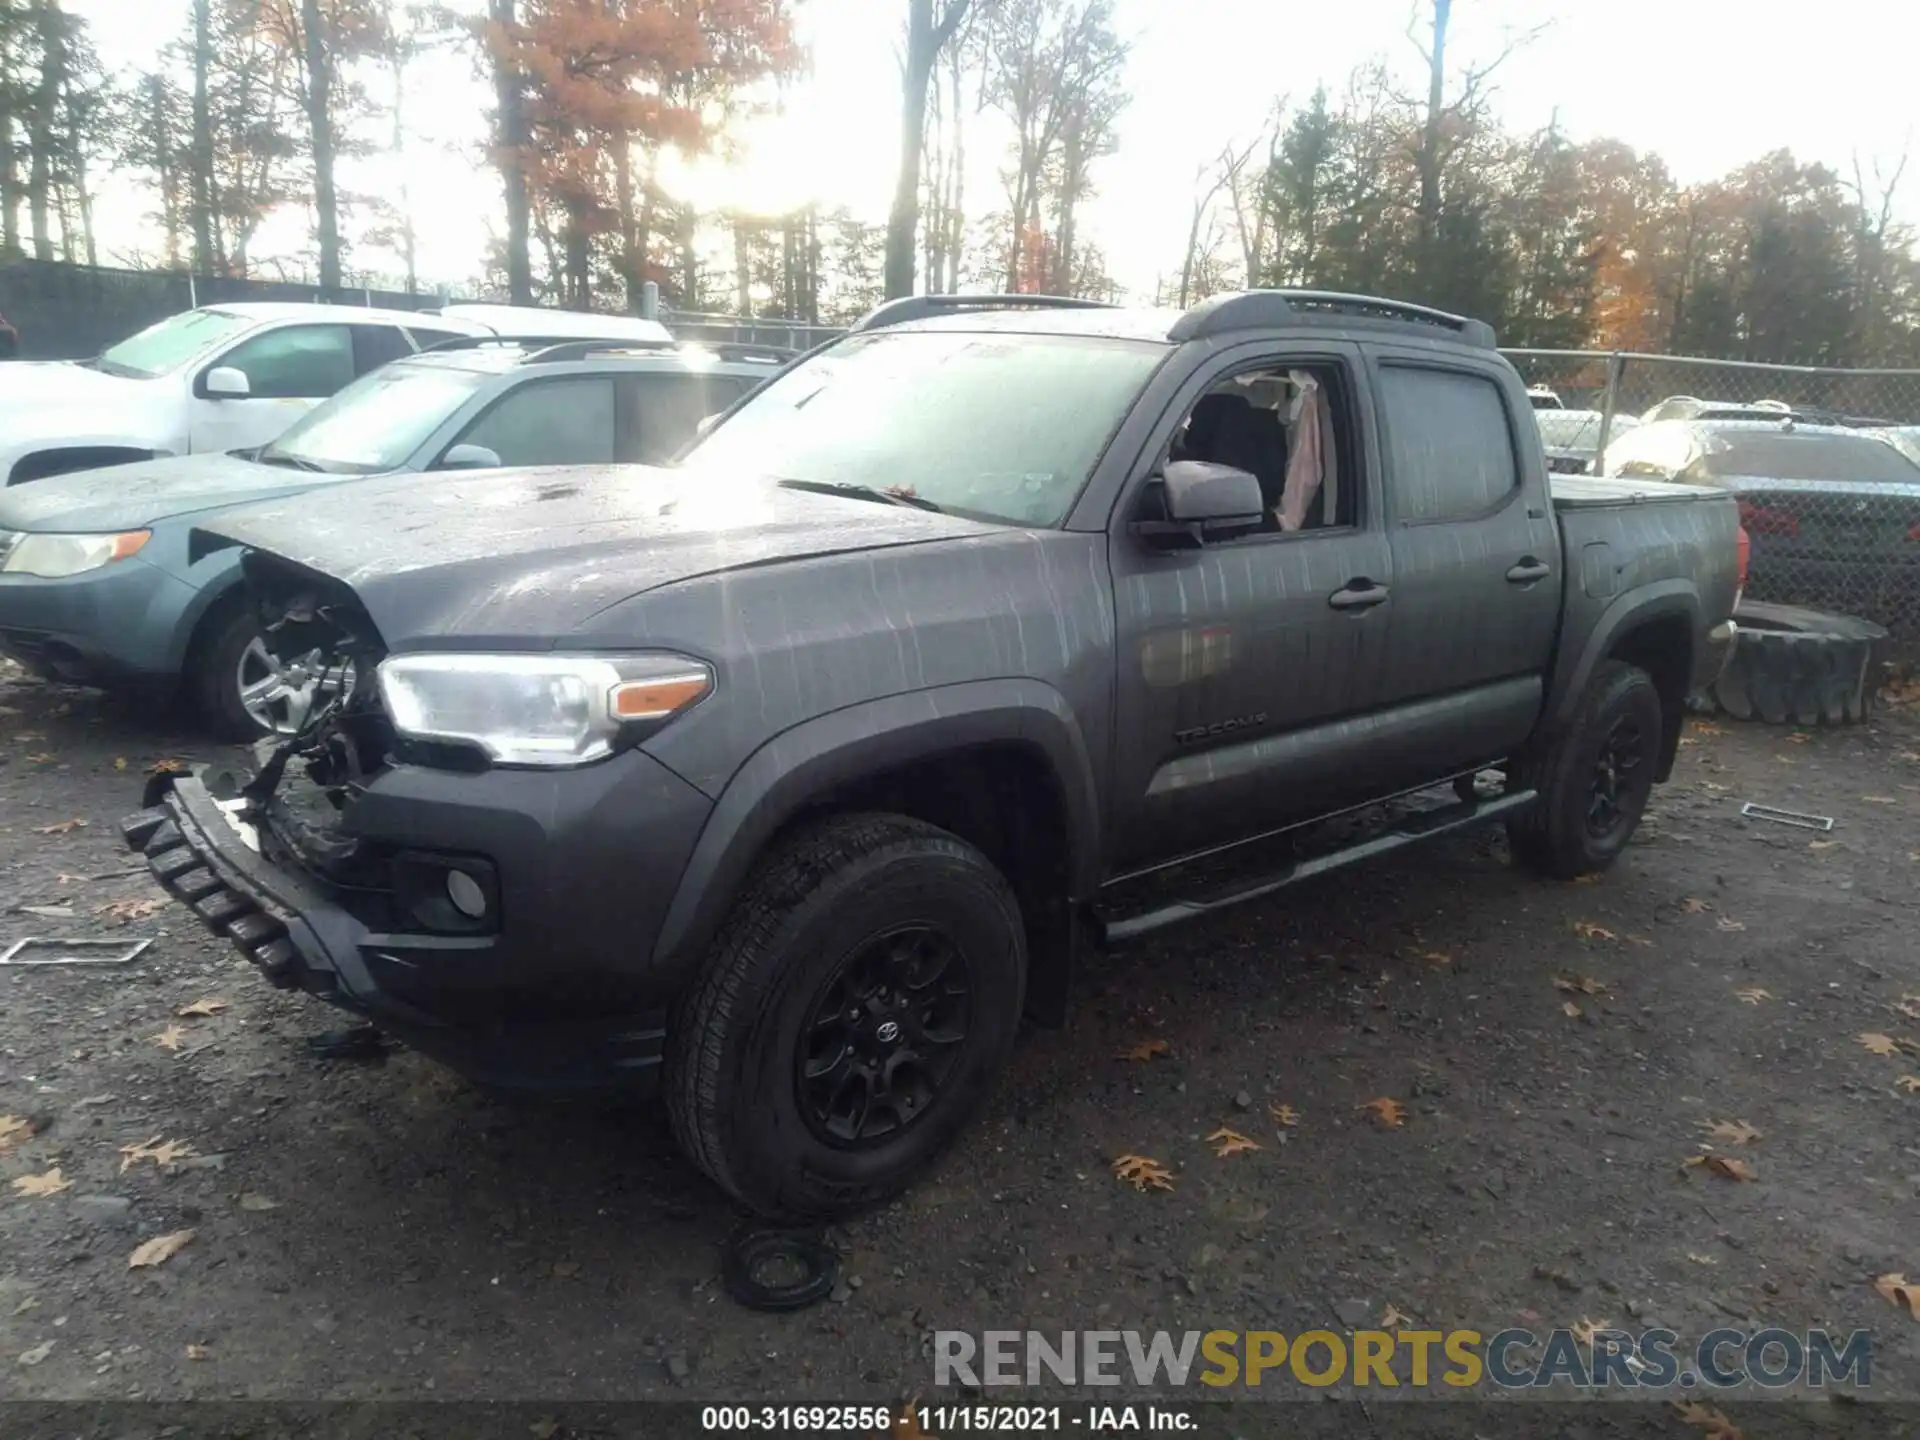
point(657, 698)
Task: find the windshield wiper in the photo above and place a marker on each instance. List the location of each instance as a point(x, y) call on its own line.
point(863, 492)
point(291, 462)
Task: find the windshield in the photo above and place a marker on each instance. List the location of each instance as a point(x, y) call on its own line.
point(378, 421)
point(1854, 458)
point(170, 344)
point(1001, 427)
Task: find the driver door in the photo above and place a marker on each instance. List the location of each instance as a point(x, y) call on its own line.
point(289, 370)
point(1243, 685)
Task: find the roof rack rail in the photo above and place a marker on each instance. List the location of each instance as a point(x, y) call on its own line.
point(535, 342)
point(920, 307)
point(740, 352)
point(1261, 309)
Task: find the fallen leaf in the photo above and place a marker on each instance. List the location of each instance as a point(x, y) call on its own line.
point(201, 1008)
point(1231, 1142)
point(1909, 1083)
point(1722, 1166)
point(1727, 922)
point(1436, 958)
point(1392, 1319)
point(171, 1038)
point(159, 1250)
point(137, 909)
point(1909, 1006)
point(63, 878)
point(1881, 799)
point(164, 1155)
point(44, 757)
point(1571, 1010)
point(1709, 1420)
point(1734, 1132)
point(62, 827)
point(1799, 738)
point(1588, 930)
point(1901, 1292)
point(1579, 985)
point(1701, 728)
point(1587, 1329)
point(1753, 995)
point(14, 1131)
point(1821, 844)
point(566, 1269)
point(51, 1183)
point(167, 767)
point(1143, 1173)
point(1146, 1050)
point(1389, 1113)
point(258, 1202)
point(119, 762)
point(37, 1353)
point(1701, 1259)
point(1878, 1044)
point(1283, 1114)
point(1591, 878)
point(1694, 905)
point(199, 1352)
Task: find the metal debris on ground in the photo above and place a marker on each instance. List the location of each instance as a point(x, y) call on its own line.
point(73, 952)
point(1786, 817)
point(779, 1270)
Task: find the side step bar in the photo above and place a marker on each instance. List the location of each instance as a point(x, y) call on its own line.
point(1426, 825)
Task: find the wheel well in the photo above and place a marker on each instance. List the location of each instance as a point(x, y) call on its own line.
point(43, 463)
point(1663, 648)
point(211, 618)
point(1005, 800)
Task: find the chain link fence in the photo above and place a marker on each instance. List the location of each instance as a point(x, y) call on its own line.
point(1825, 462)
point(714, 329)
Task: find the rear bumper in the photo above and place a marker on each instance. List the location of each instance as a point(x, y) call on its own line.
point(299, 936)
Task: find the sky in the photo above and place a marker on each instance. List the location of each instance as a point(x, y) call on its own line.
point(1708, 84)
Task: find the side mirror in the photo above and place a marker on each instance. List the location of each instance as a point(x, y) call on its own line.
point(469, 457)
point(1203, 502)
point(226, 383)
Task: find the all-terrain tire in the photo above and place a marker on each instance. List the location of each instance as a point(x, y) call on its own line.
point(1553, 837)
point(812, 906)
point(1794, 666)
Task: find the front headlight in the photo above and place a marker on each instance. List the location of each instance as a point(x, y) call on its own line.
point(538, 709)
point(53, 557)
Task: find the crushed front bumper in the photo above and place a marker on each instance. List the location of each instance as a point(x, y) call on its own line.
point(299, 937)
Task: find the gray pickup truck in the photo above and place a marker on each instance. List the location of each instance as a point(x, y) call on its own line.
point(788, 779)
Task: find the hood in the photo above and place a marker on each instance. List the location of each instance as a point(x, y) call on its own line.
point(127, 497)
point(523, 557)
point(60, 381)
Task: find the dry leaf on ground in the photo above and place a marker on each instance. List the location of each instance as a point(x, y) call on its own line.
point(1283, 1114)
point(136, 909)
point(201, 1008)
point(1386, 1111)
point(167, 767)
point(1714, 1423)
point(43, 757)
point(1722, 1166)
point(1909, 1083)
point(1571, 1010)
point(1392, 1319)
point(1727, 922)
point(1734, 1132)
point(1437, 958)
point(199, 1352)
point(171, 1038)
point(1588, 930)
point(1145, 1050)
point(1230, 1142)
point(1753, 995)
point(51, 1183)
point(1580, 985)
point(63, 827)
point(164, 1154)
point(1881, 799)
point(14, 1131)
point(258, 1202)
point(1901, 1292)
point(1909, 1006)
point(1587, 1329)
point(1699, 1259)
point(1142, 1173)
point(159, 1250)
point(1878, 1044)
point(1700, 727)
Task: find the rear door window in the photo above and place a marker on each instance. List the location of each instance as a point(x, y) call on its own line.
point(659, 413)
point(1449, 444)
point(567, 421)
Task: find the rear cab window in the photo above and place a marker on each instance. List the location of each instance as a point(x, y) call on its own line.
point(1448, 443)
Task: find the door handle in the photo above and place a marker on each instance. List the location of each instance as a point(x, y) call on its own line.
point(1528, 571)
point(1358, 595)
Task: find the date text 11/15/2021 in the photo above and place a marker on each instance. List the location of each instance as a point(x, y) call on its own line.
point(927, 1420)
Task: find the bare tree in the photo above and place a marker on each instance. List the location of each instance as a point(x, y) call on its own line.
point(927, 35)
point(1208, 181)
point(1872, 251)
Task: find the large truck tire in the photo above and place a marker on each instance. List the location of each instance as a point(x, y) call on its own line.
point(1794, 666)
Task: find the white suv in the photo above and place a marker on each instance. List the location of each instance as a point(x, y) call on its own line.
point(231, 377)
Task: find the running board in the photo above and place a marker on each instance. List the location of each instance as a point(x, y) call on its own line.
point(1426, 825)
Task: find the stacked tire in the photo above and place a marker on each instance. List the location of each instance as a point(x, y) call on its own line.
point(1793, 666)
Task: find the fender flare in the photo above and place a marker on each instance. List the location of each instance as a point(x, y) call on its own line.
point(867, 739)
point(212, 590)
point(1657, 601)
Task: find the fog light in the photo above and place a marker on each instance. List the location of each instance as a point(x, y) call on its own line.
point(466, 894)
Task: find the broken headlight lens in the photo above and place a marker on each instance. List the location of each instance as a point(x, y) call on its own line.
point(547, 710)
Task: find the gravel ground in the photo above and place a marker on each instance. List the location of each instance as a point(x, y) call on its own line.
point(380, 1230)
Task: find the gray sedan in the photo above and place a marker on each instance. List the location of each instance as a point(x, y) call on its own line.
point(105, 581)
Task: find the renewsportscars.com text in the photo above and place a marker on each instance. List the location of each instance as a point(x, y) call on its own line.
point(1770, 1358)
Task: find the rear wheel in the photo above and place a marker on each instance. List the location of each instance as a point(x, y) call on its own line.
point(851, 1016)
point(1594, 778)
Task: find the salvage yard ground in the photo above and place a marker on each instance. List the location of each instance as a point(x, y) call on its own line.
point(194, 1207)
